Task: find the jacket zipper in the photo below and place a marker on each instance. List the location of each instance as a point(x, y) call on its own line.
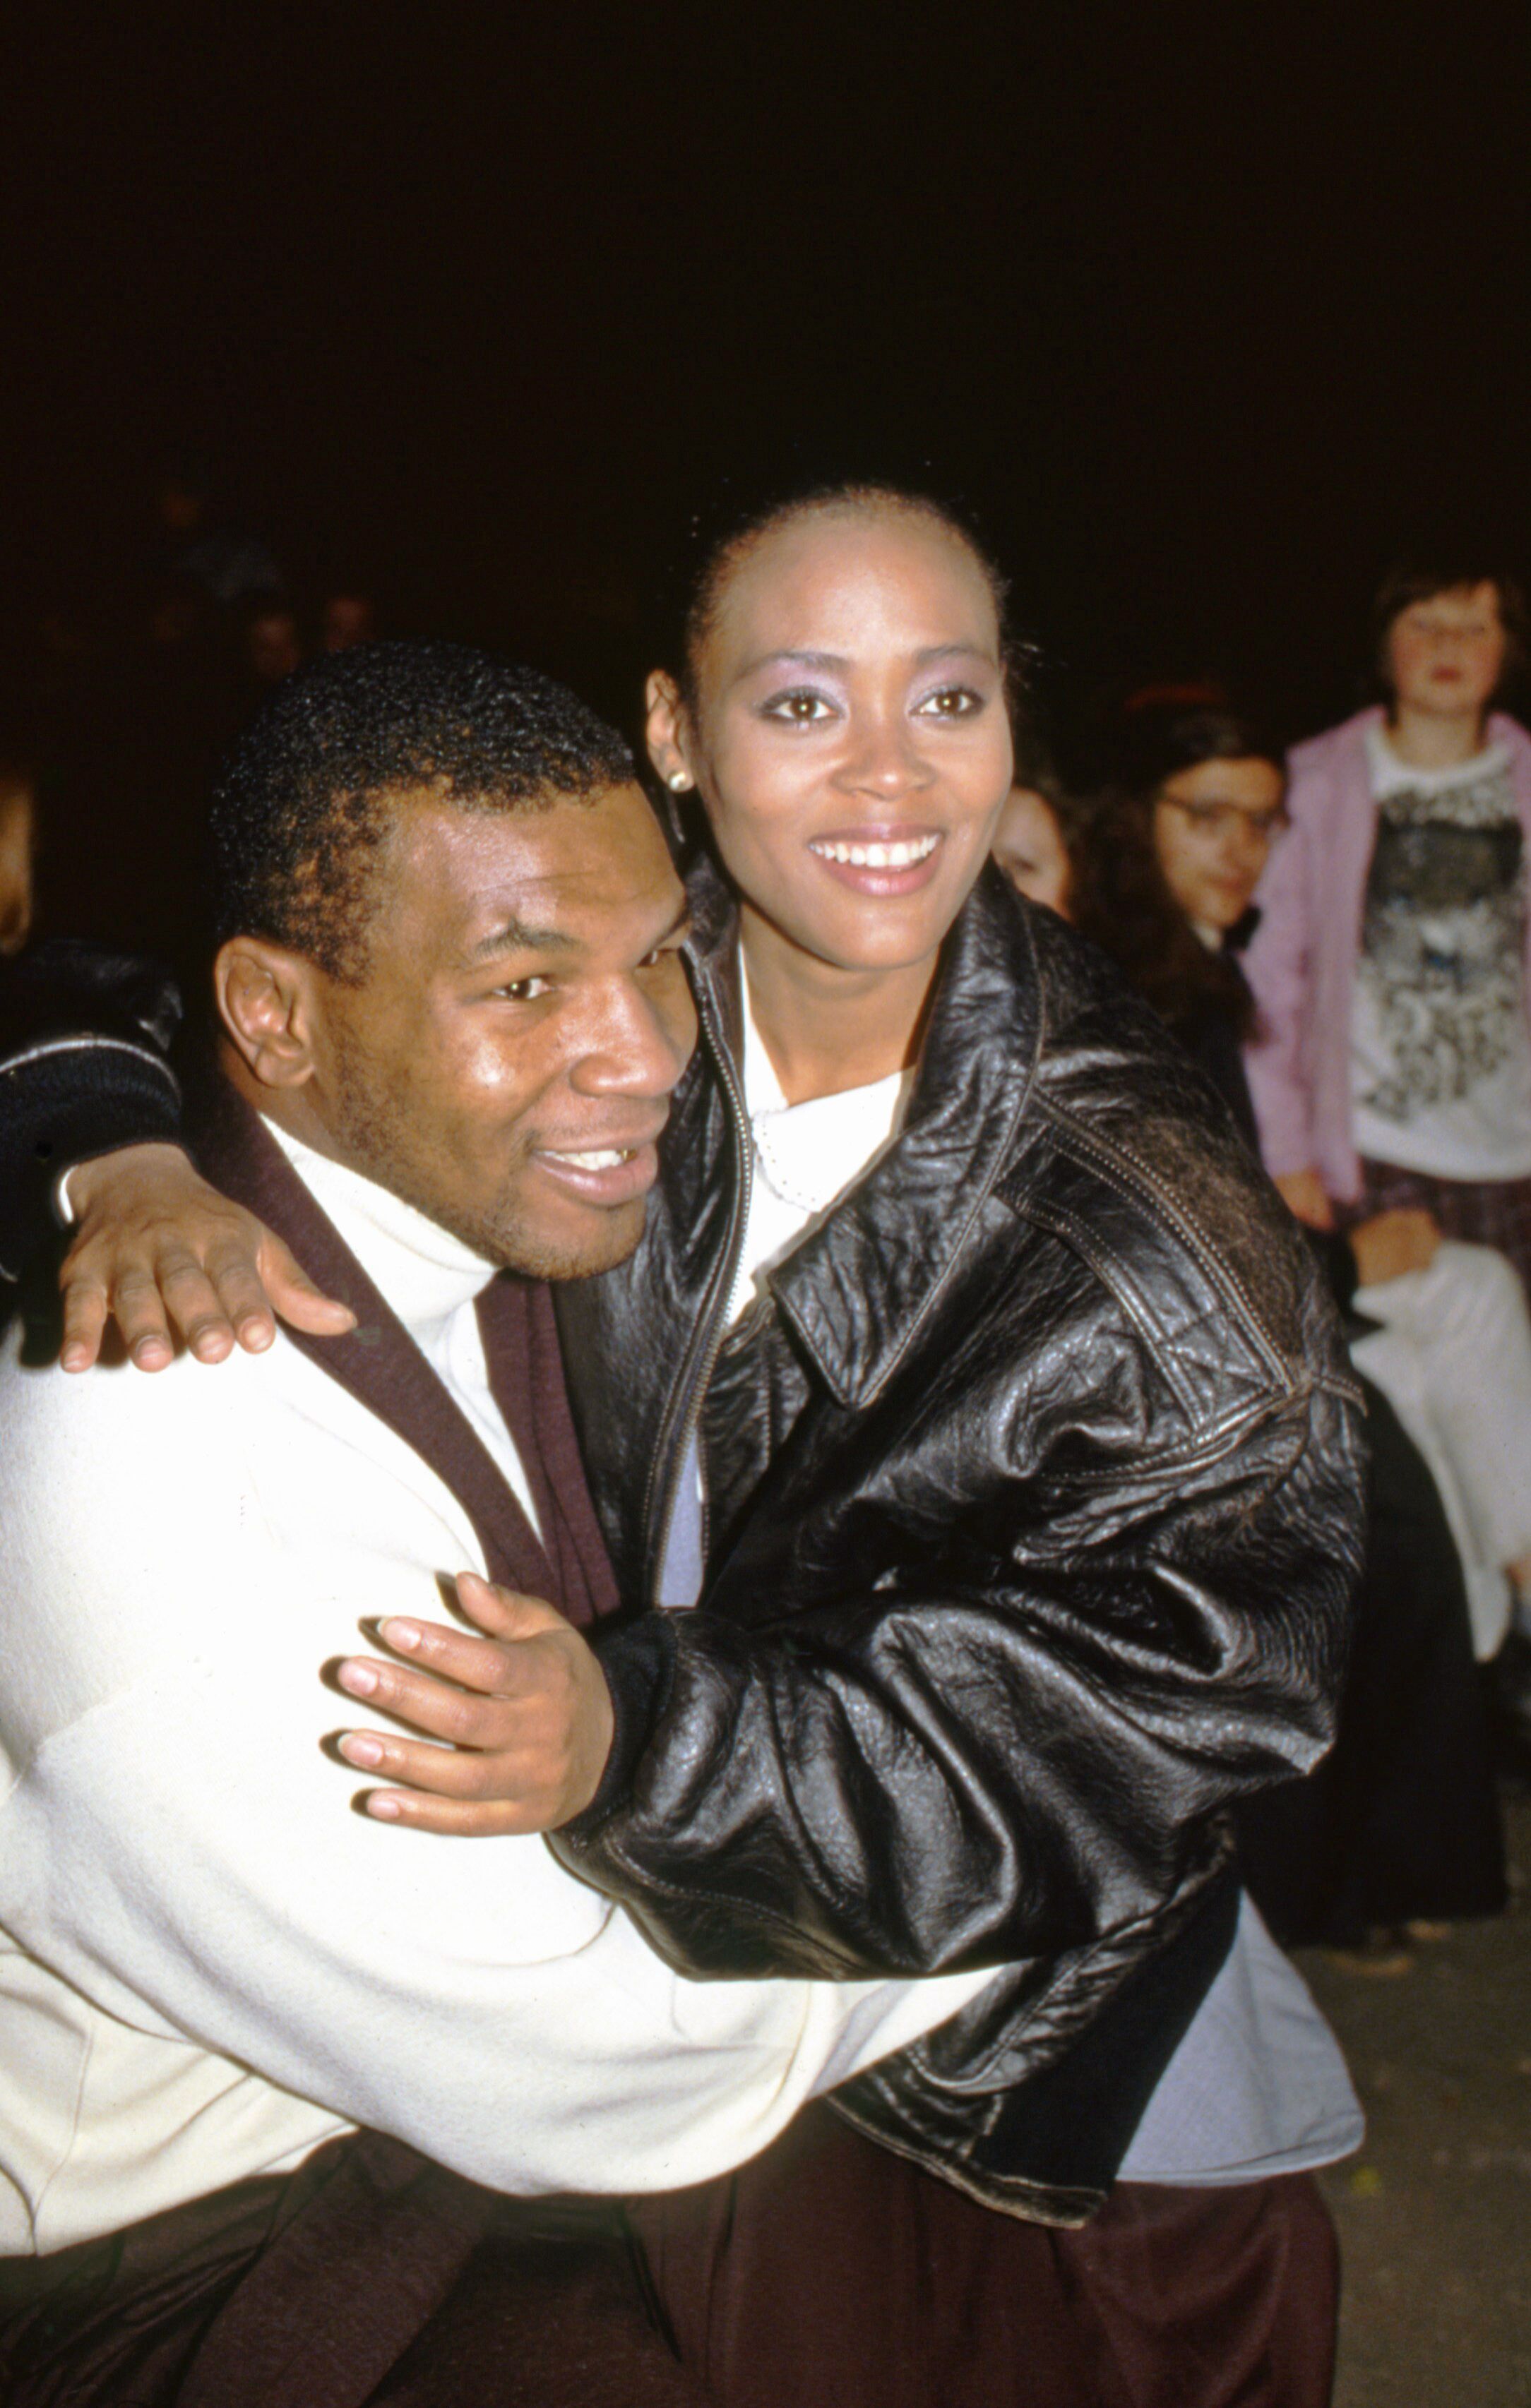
point(704, 1361)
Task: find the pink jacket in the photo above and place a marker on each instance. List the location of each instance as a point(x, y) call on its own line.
point(1301, 963)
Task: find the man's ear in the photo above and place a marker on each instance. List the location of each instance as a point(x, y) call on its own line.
point(667, 736)
point(266, 1000)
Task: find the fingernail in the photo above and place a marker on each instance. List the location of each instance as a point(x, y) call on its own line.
point(73, 1358)
point(357, 1748)
point(255, 1336)
point(385, 1809)
point(403, 1635)
point(360, 1679)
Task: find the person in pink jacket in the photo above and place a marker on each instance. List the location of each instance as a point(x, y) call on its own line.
point(1391, 1066)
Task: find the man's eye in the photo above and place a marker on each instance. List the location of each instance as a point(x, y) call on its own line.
point(800, 708)
point(526, 989)
point(951, 702)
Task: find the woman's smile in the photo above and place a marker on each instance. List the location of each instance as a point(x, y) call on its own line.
point(879, 861)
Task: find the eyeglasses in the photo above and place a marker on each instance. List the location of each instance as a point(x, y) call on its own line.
point(1216, 818)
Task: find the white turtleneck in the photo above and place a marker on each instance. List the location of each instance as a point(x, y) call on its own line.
point(431, 1280)
point(209, 1965)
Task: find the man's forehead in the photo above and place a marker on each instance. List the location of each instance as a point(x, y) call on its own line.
point(557, 865)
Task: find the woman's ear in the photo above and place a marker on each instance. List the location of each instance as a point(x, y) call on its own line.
point(265, 1001)
point(667, 733)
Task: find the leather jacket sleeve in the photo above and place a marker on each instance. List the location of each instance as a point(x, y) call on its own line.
point(84, 1068)
point(930, 1775)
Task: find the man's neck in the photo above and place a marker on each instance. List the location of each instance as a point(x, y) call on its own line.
point(292, 1109)
point(827, 1029)
point(1435, 740)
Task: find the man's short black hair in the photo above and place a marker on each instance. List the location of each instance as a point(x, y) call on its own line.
point(300, 808)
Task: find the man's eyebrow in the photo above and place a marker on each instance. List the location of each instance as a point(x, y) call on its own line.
point(513, 935)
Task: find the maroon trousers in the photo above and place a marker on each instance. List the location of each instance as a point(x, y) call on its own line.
point(832, 2274)
point(826, 2274)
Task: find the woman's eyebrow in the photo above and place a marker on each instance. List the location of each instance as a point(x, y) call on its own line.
point(840, 661)
point(796, 660)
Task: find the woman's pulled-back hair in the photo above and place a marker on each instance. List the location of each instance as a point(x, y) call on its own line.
point(721, 534)
point(1122, 895)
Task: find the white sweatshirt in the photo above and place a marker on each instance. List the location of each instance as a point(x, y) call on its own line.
point(208, 1964)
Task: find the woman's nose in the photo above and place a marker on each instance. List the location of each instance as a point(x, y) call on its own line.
point(885, 761)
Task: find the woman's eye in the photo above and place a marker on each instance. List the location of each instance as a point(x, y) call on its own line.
point(800, 708)
point(951, 702)
point(526, 989)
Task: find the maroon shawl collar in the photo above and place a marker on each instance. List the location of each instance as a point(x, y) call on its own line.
point(381, 1366)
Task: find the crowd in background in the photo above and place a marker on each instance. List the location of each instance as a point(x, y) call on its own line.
point(116, 703)
point(1337, 935)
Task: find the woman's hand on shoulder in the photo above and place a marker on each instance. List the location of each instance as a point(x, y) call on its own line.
point(525, 1710)
point(167, 1257)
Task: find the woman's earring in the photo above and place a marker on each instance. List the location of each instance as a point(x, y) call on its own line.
point(678, 780)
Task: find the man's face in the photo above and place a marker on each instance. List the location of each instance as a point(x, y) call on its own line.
point(506, 1065)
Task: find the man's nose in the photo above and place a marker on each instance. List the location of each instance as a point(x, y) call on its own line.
point(638, 1044)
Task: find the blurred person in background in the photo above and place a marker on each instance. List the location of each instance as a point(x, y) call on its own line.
point(273, 648)
point(1400, 1826)
point(348, 617)
point(18, 841)
point(1391, 1068)
point(193, 544)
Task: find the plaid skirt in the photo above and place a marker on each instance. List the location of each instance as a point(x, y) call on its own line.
point(1480, 1212)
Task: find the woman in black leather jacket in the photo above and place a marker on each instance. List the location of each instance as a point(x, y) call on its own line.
point(1031, 1474)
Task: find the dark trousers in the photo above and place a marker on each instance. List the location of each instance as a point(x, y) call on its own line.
point(823, 2274)
point(1401, 1819)
point(828, 2274)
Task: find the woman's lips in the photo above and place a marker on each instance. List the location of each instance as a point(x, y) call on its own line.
point(879, 861)
point(602, 1174)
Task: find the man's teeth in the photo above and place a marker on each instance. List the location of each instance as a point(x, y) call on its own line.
point(902, 855)
point(607, 1158)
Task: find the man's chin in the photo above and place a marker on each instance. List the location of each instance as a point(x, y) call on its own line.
point(573, 1249)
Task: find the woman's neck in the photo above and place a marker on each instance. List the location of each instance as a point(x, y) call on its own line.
point(828, 1029)
point(1435, 740)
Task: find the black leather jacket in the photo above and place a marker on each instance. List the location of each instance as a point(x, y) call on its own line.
point(1034, 1514)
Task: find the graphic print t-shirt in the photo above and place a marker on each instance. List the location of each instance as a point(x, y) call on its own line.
point(1440, 1055)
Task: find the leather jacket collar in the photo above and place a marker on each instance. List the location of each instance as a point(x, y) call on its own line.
point(857, 1295)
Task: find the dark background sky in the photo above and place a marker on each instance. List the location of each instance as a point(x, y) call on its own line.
point(1209, 310)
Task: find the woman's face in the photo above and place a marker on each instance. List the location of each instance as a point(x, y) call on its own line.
point(1446, 655)
point(1029, 850)
point(1212, 830)
point(849, 737)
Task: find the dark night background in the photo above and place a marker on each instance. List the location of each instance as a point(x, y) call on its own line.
point(1207, 310)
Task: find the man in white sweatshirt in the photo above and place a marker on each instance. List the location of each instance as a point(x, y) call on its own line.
point(268, 2069)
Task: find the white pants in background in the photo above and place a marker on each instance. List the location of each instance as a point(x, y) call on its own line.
point(1453, 1359)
